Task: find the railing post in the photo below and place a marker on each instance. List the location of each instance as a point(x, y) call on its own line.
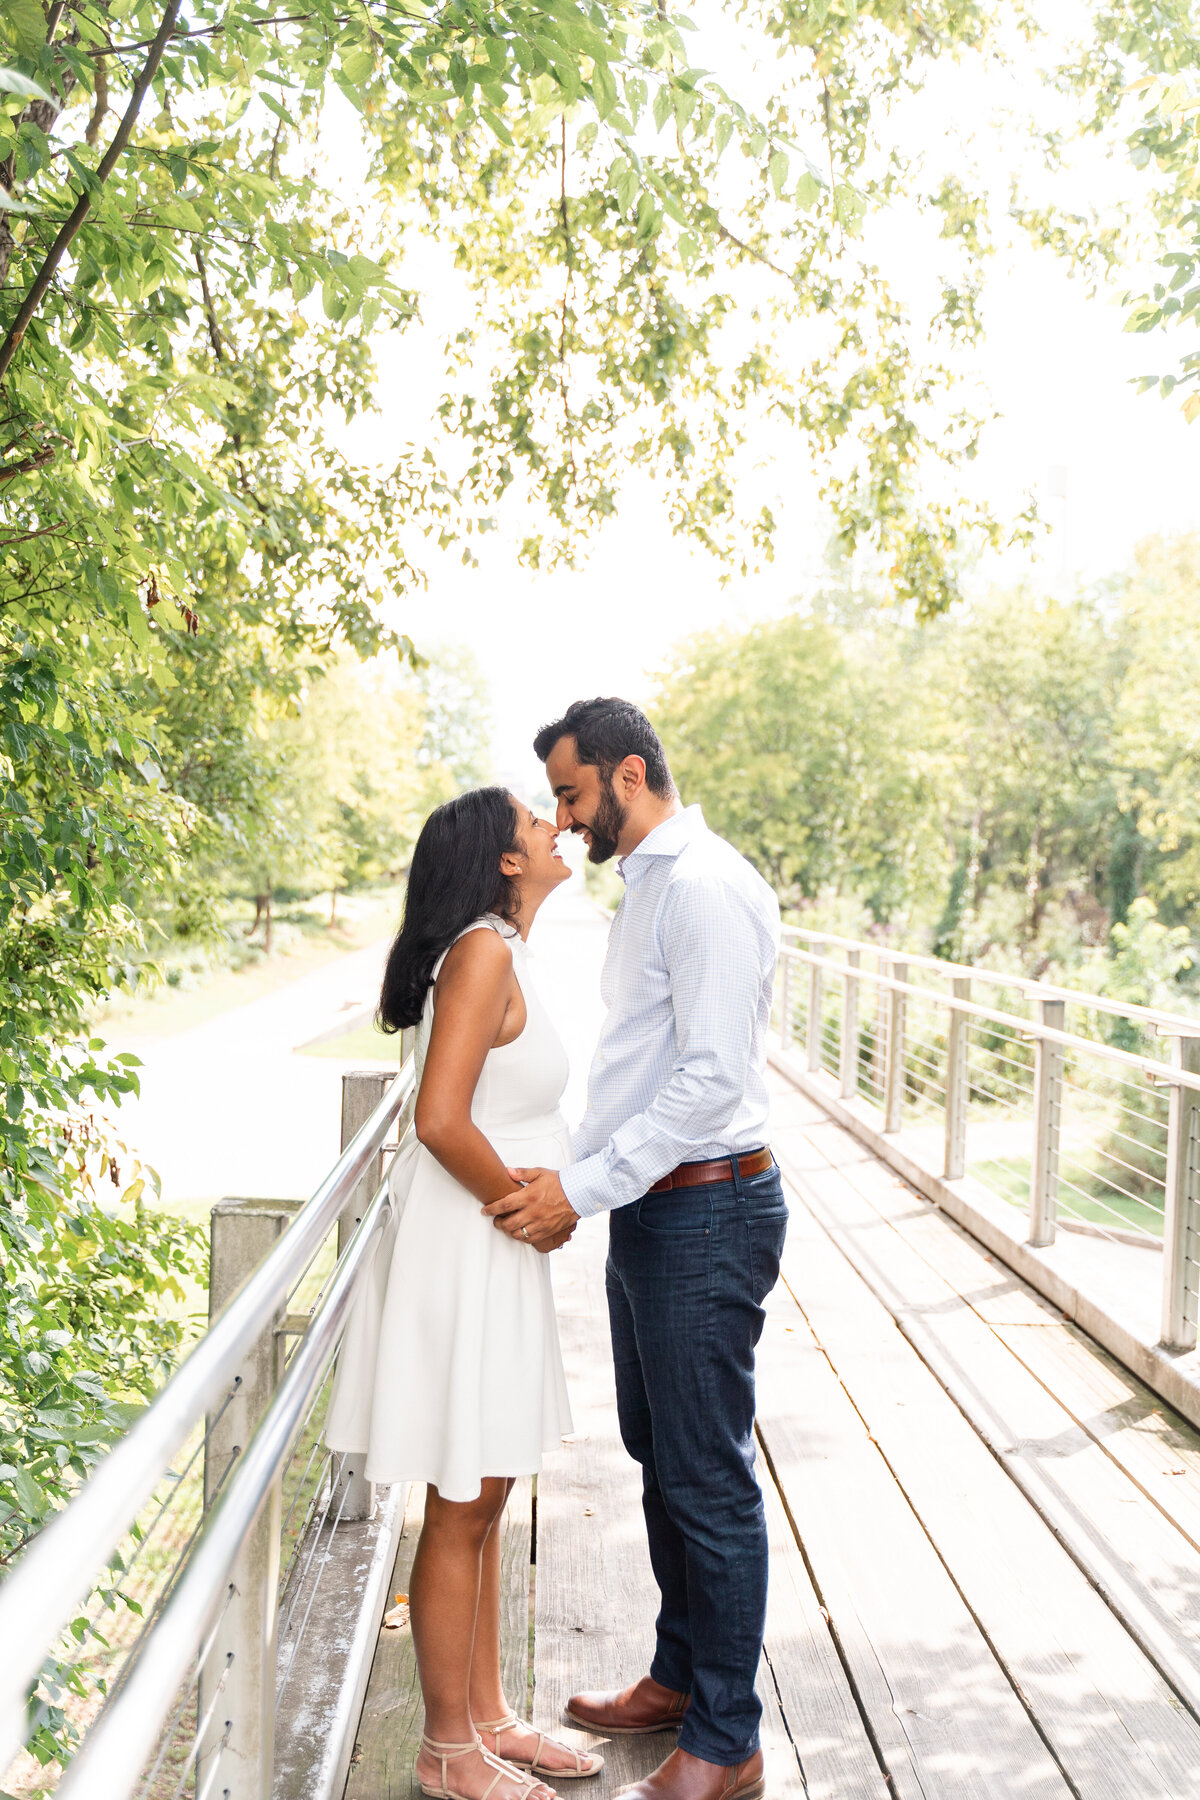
point(956, 1085)
point(848, 1048)
point(239, 1672)
point(352, 1496)
point(893, 1076)
point(813, 1031)
point(1047, 1121)
point(785, 999)
point(1181, 1224)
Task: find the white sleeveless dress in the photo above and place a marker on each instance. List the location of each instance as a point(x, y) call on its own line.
point(450, 1369)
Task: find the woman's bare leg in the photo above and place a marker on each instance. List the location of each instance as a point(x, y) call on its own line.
point(488, 1701)
point(444, 1594)
point(487, 1686)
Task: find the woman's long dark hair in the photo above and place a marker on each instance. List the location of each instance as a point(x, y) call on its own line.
point(455, 876)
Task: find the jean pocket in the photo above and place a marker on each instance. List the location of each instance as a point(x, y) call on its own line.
point(677, 1213)
point(763, 1195)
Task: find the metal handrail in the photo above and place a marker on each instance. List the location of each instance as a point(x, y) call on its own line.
point(1168, 1023)
point(116, 1748)
point(1032, 1028)
point(57, 1571)
point(1180, 1077)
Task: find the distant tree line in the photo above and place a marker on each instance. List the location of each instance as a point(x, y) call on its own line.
point(1009, 780)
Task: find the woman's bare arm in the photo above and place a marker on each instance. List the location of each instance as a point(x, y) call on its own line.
point(473, 995)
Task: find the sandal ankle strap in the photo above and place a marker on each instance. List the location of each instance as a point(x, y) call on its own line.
point(437, 1748)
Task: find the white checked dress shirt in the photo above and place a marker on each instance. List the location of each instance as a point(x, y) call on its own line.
point(679, 1072)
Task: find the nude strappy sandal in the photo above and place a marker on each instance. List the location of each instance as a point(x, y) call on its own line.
point(496, 1727)
point(448, 1753)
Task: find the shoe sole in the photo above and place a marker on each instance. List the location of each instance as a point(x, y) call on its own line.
point(624, 1730)
point(754, 1790)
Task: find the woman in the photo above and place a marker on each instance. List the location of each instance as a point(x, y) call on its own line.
point(451, 1372)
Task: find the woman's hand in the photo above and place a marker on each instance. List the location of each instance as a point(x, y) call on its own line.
point(538, 1211)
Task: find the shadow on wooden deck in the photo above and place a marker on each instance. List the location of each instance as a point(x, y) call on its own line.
point(985, 1532)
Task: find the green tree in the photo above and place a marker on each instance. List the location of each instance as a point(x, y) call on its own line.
point(1157, 753)
point(1028, 689)
point(805, 744)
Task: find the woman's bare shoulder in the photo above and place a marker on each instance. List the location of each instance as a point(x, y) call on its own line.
point(480, 958)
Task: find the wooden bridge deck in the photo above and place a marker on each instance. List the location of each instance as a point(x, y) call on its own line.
point(985, 1532)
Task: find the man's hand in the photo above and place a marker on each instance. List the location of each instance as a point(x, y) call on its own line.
point(539, 1206)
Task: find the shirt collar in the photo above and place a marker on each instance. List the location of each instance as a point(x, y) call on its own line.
point(667, 839)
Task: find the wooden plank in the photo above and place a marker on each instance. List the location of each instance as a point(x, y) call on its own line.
point(596, 1598)
point(515, 1594)
point(1142, 1564)
point(815, 1703)
point(947, 1722)
point(389, 1732)
point(333, 1612)
point(1106, 1713)
point(1153, 1443)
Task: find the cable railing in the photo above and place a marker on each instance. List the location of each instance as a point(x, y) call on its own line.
point(980, 1072)
point(164, 1609)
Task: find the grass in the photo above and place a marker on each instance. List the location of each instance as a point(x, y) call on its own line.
point(361, 1043)
point(1010, 1180)
point(202, 982)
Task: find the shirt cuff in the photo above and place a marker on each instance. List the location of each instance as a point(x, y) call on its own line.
point(588, 1187)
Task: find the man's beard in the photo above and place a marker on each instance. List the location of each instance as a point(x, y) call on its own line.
point(607, 826)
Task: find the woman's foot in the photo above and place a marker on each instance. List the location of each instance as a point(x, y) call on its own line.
point(519, 1743)
point(470, 1772)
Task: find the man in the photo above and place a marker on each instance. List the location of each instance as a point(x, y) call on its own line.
point(673, 1147)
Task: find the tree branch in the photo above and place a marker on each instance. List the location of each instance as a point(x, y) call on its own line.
point(24, 536)
point(181, 37)
point(100, 111)
point(83, 205)
point(38, 460)
point(729, 237)
point(214, 330)
point(827, 115)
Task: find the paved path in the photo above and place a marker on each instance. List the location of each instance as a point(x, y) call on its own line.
point(230, 1107)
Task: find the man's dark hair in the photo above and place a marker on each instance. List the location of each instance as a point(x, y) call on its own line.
point(605, 733)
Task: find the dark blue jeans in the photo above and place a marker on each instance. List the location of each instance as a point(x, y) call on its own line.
point(687, 1273)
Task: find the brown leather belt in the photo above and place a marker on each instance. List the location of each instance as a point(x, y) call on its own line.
point(750, 1162)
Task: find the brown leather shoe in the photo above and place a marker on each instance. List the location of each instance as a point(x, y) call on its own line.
point(644, 1707)
point(686, 1777)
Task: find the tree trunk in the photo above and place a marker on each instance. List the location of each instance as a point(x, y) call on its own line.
point(262, 916)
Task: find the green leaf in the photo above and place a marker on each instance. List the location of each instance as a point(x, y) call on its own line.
point(13, 82)
point(604, 89)
point(808, 190)
point(358, 66)
point(849, 205)
point(29, 25)
point(30, 1497)
point(777, 169)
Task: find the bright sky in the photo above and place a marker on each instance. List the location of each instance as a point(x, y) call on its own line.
point(1109, 468)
